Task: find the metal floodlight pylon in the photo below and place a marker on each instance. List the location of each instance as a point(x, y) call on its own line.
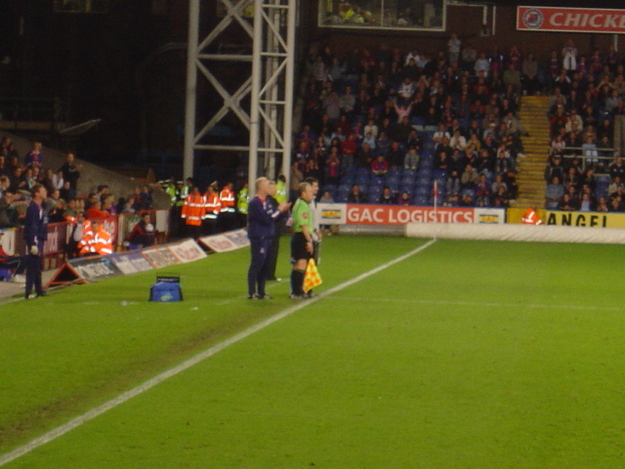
point(270, 85)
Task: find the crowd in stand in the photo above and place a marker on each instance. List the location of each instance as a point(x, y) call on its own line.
point(583, 173)
point(378, 110)
point(64, 203)
point(369, 109)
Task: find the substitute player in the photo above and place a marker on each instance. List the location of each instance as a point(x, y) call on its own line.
point(302, 241)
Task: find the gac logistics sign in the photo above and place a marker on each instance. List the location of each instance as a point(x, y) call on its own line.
point(348, 214)
point(580, 20)
point(589, 219)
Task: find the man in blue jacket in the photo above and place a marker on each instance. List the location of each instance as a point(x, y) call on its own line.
point(260, 230)
point(35, 235)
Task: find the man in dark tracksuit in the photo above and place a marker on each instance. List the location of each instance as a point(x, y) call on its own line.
point(279, 228)
point(260, 230)
point(35, 235)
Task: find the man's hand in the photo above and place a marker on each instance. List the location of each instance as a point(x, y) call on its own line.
point(309, 247)
point(284, 206)
point(34, 250)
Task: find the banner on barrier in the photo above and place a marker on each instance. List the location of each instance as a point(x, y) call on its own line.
point(160, 257)
point(350, 214)
point(187, 251)
point(332, 214)
point(238, 237)
point(7, 241)
point(57, 235)
point(489, 216)
point(579, 20)
point(94, 268)
point(586, 219)
point(226, 241)
point(131, 262)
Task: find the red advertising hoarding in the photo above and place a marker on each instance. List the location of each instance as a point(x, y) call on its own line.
point(400, 215)
point(580, 20)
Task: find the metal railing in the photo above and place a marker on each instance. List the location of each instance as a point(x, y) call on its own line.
point(602, 159)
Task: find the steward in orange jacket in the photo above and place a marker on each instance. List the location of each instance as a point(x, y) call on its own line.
point(193, 211)
point(228, 215)
point(213, 208)
point(96, 241)
point(530, 217)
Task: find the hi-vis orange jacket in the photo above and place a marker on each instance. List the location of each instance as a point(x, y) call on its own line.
point(102, 242)
point(227, 199)
point(213, 206)
point(530, 217)
point(194, 209)
point(99, 242)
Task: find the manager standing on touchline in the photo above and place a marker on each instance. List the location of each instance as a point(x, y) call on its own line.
point(261, 219)
point(35, 235)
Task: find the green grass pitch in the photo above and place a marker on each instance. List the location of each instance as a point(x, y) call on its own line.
point(465, 355)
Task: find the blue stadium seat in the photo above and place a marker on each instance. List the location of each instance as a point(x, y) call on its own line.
point(424, 191)
point(348, 178)
point(420, 201)
point(350, 170)
point(341, 198)
point(377, 181)
point(408, 189)
point(424, 173)
point(361, 177)
point(331, 188)
point(423, 182)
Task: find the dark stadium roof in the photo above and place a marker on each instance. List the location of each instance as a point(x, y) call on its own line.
point(559, 3)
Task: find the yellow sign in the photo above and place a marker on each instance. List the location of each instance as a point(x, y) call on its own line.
point(589, 219)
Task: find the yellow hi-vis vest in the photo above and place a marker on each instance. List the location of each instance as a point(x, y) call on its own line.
point(280, 192)
point(242, 201)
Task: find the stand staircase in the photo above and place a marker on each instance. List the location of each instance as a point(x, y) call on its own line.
point(530, 176)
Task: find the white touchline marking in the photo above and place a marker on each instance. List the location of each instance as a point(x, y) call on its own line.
point(477, 303)
point(122, 398)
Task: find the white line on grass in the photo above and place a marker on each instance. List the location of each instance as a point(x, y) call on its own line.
point(122, 398)
point(477, 303)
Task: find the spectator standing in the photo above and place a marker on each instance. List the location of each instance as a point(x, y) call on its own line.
point(71, 171)
point(35, 235)
point(453, 46)
point(569, 57)
point(34, 157)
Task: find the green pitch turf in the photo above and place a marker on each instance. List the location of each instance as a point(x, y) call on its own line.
point(467, 354)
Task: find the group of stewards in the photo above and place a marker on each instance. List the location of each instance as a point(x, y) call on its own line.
point(211, 212)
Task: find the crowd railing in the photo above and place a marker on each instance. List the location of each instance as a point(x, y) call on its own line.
point(55, 250)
